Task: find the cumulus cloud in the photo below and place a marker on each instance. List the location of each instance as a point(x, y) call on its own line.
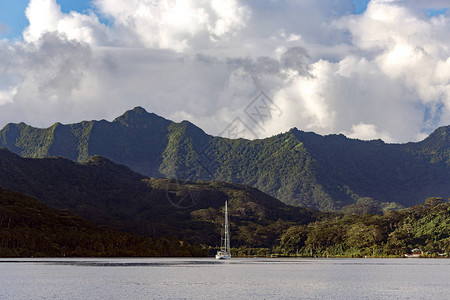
point(44, 75)
point(408, 50)
point(368, 132)
point(46, 16)
point(175, 25)
point(7, 95)
point(382, 74)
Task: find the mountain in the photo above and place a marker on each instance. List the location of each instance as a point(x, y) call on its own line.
point(30, 228)
point(112, 195)
point(131, 140)
point(299, 168)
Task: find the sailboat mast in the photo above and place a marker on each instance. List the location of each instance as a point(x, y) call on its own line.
point(227, 234)
point(224, 252)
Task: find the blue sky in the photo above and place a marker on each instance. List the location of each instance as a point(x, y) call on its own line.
point(12, 13)
point(360, 5)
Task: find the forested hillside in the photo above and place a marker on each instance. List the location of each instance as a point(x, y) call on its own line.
point(425, 227)
point(112, 195)
point(117, 198)
point(29, 228)
point(299, 168)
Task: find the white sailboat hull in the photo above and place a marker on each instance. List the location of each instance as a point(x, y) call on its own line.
point(223, 255)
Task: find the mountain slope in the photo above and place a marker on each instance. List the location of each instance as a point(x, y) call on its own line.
point(299, 168)
point(30, 228)
point(112, 195)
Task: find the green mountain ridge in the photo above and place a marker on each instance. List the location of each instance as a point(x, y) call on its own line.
point(112, 195)
point(299, 168)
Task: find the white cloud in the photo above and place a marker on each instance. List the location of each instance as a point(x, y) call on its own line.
point(409, 49)
point(176, 25)
point(45, 16)
point(7, 96)
point(383, 74)
point(45, 74)
point(367, 132)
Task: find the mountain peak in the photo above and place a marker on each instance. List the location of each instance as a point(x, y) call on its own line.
point(139, 110)
point(439, 137)
point(442, 131)
point(139, 117)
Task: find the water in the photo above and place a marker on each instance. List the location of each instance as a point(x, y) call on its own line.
point(206, 278)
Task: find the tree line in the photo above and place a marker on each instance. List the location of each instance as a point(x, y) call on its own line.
point(425, 227)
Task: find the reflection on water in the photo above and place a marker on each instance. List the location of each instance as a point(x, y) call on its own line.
point(114, 263)
point(159, 262)
point(207, 278)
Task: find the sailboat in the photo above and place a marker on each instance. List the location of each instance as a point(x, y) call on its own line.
point(224, 252)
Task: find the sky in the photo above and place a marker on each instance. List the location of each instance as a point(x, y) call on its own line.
point(376, 69)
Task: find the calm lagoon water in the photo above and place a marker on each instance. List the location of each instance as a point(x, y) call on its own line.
point(206, 278)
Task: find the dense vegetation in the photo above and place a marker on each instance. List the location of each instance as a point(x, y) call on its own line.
point(299, 168)
point(117, 198)
point(112, 195)
point(29, 228)
point(425, 227)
